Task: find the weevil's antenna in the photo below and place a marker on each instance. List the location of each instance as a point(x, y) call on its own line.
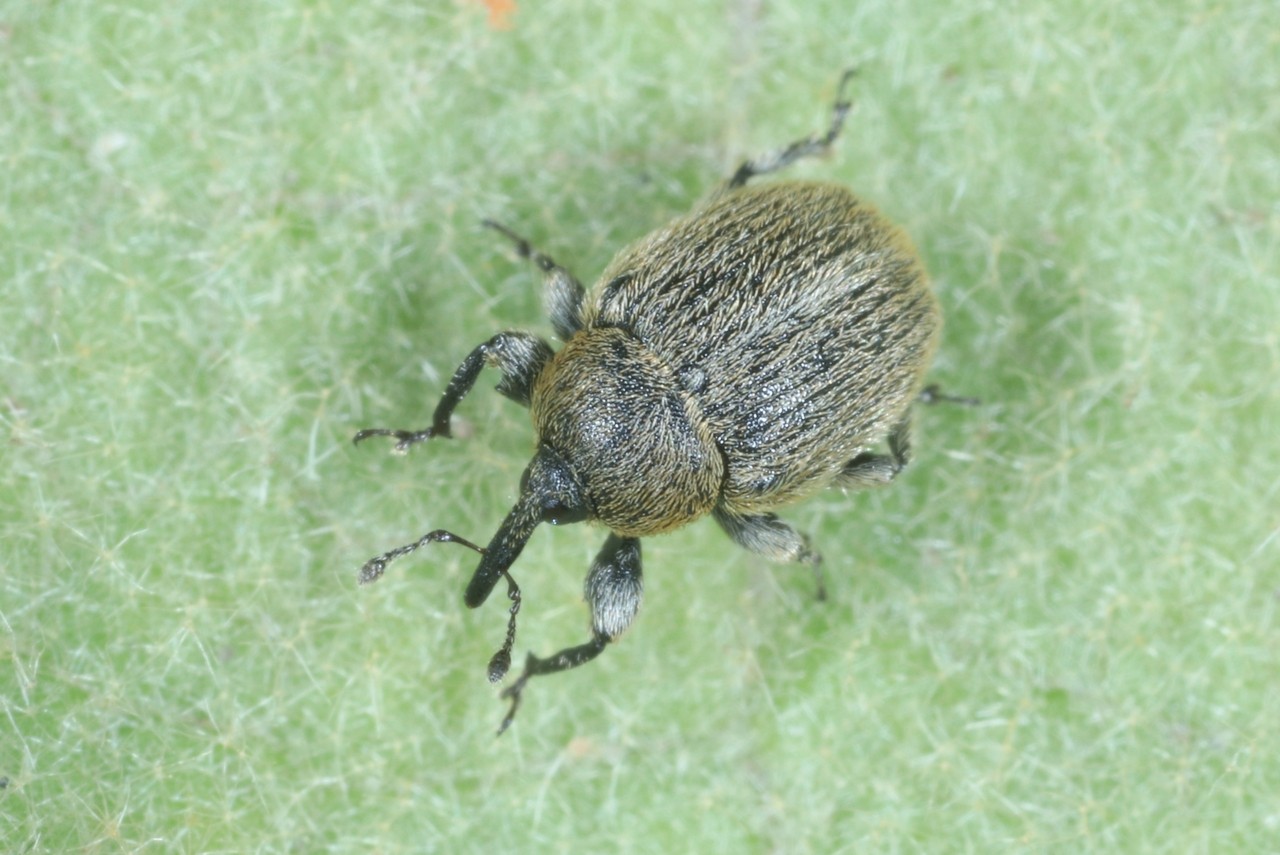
point(373, 569)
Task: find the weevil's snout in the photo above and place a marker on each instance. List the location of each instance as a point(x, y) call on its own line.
point(549, 492)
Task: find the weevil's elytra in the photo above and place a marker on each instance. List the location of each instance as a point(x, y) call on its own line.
point(741, 358)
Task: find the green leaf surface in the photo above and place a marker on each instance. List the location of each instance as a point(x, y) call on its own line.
point(231, 234)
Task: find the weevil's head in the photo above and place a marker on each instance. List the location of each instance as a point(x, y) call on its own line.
point(619, 441)
point(549, 492)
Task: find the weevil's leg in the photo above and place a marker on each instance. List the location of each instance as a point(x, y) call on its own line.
point(874, 470)
point(614, 590)
point(562, 293)
point(932, 394)
point(519, 355)
point(765, 534)
point(570, 657)
point(807, 147)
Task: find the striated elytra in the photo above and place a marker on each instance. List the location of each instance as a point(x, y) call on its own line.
point(738, 359)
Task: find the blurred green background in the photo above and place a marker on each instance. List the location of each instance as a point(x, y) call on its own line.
point(233, 233)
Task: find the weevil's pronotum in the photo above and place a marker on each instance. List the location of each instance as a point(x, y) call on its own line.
point(736, 360)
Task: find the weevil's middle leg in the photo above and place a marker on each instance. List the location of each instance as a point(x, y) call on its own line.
point(807, 147)
point(873, 470)
point(765, 534)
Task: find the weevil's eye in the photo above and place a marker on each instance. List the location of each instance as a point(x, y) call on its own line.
point(556, 493)
point(558, 513)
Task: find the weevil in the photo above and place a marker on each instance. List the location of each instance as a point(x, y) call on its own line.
point(736, 360)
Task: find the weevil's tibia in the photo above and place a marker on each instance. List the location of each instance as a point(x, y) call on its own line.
point(533, 667)
point(518, 355)
point(808, 147)
point(562, 292)
point(875, 470)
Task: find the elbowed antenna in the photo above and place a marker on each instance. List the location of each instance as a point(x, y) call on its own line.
point(495, 563)
point(374, 568)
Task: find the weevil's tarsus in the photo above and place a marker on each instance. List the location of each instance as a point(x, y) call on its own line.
point(520, 356)
point(375, 567)
point(570, 657)
point(562, 292)
point(932, 394)
point(404, 438)
point(810, 146)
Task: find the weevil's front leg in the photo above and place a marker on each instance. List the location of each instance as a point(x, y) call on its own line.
point(562, 293)
point(807, 147)
point(614, 590)
point(519, 355)
point(765, 534)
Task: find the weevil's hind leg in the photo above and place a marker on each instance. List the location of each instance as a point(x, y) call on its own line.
point(807, 147)
point(874, 470)
point(765, 534)
point(518, 355)
point(614, 590)
point(562, 293)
